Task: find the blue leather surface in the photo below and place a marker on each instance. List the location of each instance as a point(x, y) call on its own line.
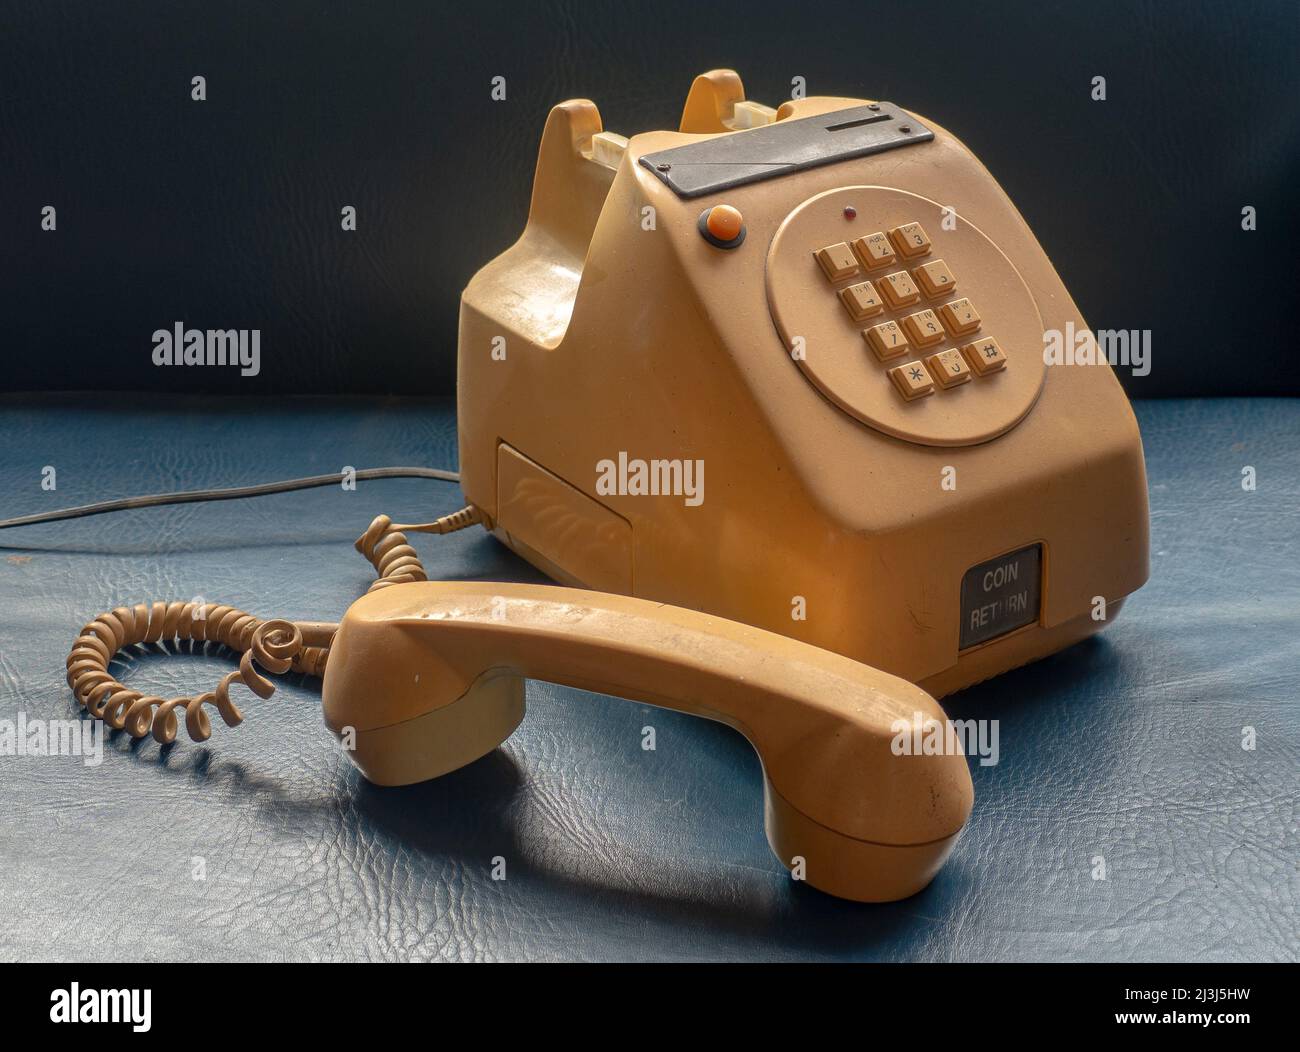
point(1128, 746)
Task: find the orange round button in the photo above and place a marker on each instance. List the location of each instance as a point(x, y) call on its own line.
point(724, 222)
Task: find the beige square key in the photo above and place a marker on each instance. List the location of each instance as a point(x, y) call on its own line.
point(949, 368)
point(861, 300)
point(886, 339)
point(912, 380)
point(923, 328)
point(960, 317)
point(935, 278)
point(911, 240)
point(985, 356)
point(837, 261)
point(874, 250)
point(898, 289)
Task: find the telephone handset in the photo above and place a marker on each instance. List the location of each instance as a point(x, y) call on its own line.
point(429, 677)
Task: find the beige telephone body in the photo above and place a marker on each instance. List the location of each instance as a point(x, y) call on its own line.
point(834, 314)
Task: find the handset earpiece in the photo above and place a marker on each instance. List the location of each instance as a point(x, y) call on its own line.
point(427, 677)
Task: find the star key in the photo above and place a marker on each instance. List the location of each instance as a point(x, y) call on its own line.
point(911, 380)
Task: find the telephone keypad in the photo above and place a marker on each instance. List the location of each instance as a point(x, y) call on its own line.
point(887, 340)
point(960, 317)
point(923, 328)
point(949, 368)
point(935, 279)
point(837, 261)
point(861, 300)
point(911, 240)
point(852, 362)
point(985, 356)
point(912, 380)
point(874, 250)
point(899, 290)
point(893, 338)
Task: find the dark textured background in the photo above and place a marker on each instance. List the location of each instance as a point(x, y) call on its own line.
point(226, 213)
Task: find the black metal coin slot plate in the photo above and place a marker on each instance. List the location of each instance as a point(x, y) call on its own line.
point(784, 147)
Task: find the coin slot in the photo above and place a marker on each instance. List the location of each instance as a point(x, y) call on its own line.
point(859, 123)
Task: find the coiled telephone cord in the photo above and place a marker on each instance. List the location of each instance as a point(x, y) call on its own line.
point(275, 646)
